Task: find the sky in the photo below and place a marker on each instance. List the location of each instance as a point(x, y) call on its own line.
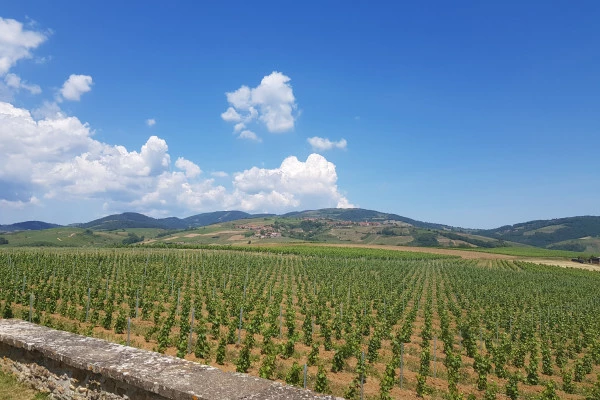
point(468, 113)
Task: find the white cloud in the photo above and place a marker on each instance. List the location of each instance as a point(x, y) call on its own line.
point(323, 144)
point(220, 174)
point(241, 98)
point(249, 135)
point(16, 43)
point(75, 86)
point(56, 157)
point(272, 103)
point(150, 122)
point(231, 115)
point(15, 82)
point(48, 110)
point(191, 170)
point(276, 100)
point(309, 184)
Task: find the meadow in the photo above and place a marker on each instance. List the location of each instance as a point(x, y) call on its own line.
point(365, 322)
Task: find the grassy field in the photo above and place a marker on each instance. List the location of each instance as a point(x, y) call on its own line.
point(74, 237)
point(523, 251)
point(11, 389)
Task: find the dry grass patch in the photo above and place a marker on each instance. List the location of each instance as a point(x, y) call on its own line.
point(12, 389)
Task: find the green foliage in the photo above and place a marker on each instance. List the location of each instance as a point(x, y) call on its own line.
point(422, 388)
point(288, 349)
point(425, 239)
point(322, 384)
point(293, 376)
point(549, 392)
point(121, 322)
point(567, 378)
point(353, 390)
point(3, 240)
point(387, 382)
point(242, 363)
point(534, 234)
point(512, 387)
point(595, 392)
point(132, 238)
point(7, 312)
point(220, 357)
point(202, 347)
point(338, 360)
point(313, 356)
point(490, 393)
point(267, 367)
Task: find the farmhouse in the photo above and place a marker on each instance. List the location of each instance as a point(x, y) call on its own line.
point(595, 260)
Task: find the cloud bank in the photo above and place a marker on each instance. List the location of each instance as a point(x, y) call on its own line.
point(58, 156)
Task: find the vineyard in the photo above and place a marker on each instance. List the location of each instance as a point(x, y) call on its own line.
point(350, 322)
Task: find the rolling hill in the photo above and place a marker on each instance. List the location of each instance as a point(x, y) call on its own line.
point(135, 220)
point(27, 226)
point(573, 233)
point(332, 225)
point(362, 215)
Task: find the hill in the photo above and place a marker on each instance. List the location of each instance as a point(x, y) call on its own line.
point(134, 220)
point(27, 226)
point(219, 217)
point(329, 225)
point(361, 215)
point(131, 220)
point(573, 233)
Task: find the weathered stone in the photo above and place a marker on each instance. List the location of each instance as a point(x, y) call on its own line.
point(67, 364)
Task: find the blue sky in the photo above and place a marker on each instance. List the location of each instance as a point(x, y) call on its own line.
point(473, 114)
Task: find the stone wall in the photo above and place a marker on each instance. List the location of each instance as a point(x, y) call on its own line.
point(77, 367)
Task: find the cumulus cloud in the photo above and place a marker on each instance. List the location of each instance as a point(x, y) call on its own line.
point(15, 82)
point(246, 134)
point(323, 144)
point(271, 103)
point(312, 183)
point(48, 110)
point(16, 43)
point(191, 170)
point(150, 122)
point(57, 157)
point(75, 86)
